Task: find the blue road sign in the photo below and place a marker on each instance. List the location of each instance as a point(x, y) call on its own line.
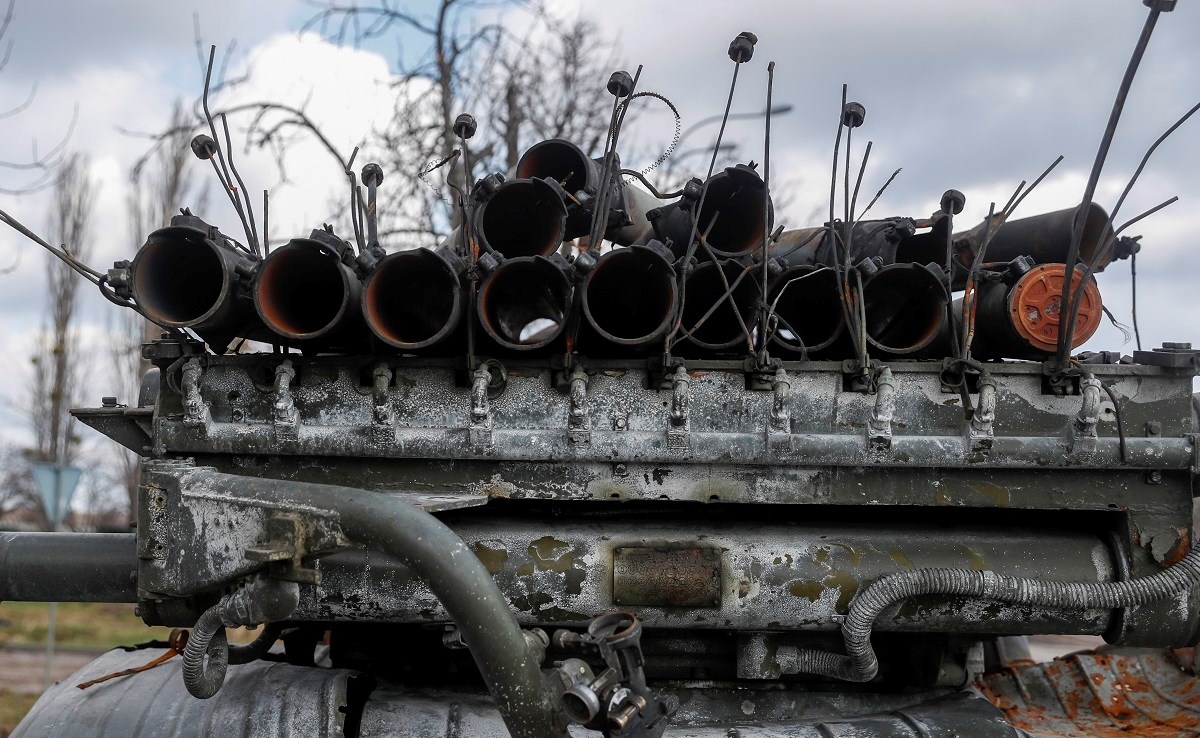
point(57, 483)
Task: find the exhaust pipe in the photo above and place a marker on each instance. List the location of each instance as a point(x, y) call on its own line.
point(809, 310)
point(307, 294)
point(1045, 239)
point(523, 305)
point(188, 275)
point(631, 295)
point(414, 299)
point(519, 218)
point(905, 307)
point(1022, 319)
point(703, 289)
point(732, 214)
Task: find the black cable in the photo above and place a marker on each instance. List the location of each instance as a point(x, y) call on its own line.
point(1137, 334)
point(1120, 425)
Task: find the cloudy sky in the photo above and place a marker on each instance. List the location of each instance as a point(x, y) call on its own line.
point(972, 96)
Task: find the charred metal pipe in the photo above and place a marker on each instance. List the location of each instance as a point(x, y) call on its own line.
point(414, 299)
point(710, 319)
point(905, 307)
point(563, 162)
point(445, 564)
point(732, 214)
point(523, 305)
point(520, 217)
point(1043, 238)
point(631, 295)
point(1020, 318)
point(805, 301)
point(68, 567)
point(188, 275)
point(884, 238)
point(306, 293)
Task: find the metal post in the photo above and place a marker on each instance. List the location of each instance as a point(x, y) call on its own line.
point(51, 627)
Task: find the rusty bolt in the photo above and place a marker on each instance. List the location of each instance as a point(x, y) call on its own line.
point(465, 126)
point(853, 114)
point(204, 147)
point(620, 84)
point(741, 48)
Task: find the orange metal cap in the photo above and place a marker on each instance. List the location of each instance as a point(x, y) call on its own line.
point(1035, 306)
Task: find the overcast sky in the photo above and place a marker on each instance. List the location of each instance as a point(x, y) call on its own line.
point(975, 96)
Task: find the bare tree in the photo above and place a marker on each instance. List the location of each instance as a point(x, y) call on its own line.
point(159, 183)
point(56, 361)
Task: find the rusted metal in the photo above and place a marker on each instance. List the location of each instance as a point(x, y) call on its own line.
point(523, 305)
point(905, 308)
point(667, 577)
point(414, 299)
point(1111, 692)
point(630, 298)
point(307, 294)
point(1044, 238)
point(716, 319)
point(804, 300)
point(521, 217)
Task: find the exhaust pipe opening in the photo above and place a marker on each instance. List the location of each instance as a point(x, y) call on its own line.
point(629, 298)
point(413, 299)
point(735, 199)
point(304, 290)
point(905, 308)
point(562, 161)
point(524, 217)
point(180, 278)
point(523, 305)
point(702, 289)
point(805, 299)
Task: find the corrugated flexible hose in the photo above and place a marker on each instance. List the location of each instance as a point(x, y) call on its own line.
point(860, 664)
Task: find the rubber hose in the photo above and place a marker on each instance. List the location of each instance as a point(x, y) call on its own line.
point(860, 663)
point(256, 649)
point(204, 677)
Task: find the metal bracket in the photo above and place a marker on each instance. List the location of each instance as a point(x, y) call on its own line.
point(481, 410)
point(679, 422)
point(382, 417)
point(1081, 433)
point(283, 406)
point(579, 419)
point(196, 414)
point(982, 429)
point(284, 550)
point(879, 427)
point(779, 423)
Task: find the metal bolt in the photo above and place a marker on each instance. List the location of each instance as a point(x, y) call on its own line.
point(620, 470)
point(108, 401)
point(238, 415)
point(1154, 477)
point(1154, 428)
point(620, 423)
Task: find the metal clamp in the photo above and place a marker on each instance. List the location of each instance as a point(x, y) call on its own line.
point(781, 412)
point(579, 419)
point(679, 423)
point(1082, 430)
point(381, 414)
point(982, 430)
point(879, 427)
point(196, 412)
point(283, 406)
point(481, 410)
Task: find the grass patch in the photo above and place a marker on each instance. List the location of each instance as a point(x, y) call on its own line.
point(13, 706)
point(85, 625)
